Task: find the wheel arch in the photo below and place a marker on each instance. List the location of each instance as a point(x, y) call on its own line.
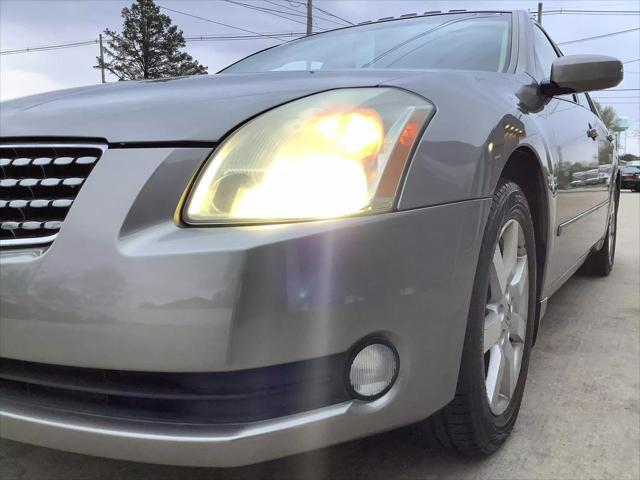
point(524, 167)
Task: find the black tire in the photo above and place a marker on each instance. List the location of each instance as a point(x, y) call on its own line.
point(601, 262)
point(467, 424)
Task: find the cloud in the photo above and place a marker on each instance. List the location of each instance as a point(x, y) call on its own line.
point(19, 83)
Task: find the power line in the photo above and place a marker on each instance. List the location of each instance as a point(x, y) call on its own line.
point(599, 36)
point(288, 7)
point(217, 23)
point(193, 38)
point(268, 11)
point(49, 47)
point(255, 35)
point(610, 3)
point(299, 14)
point(206, 38)
point(563, 11)
point(574, 10)
point(334, 16)
point(258, 35)
point(600, 92)
point(293, 8)
point(605, 14)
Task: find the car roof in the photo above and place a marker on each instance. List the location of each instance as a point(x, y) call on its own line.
point(430, 13)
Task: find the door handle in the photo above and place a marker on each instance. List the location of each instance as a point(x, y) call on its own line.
point(592, 132)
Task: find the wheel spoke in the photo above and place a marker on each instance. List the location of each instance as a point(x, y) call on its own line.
point(497, 276)
point(518, 350)
point(510, 375)
point(495, 376)
point(518, 330)
point(506, 312)
point(492, 329)
point(510, 249)
point(520, 285)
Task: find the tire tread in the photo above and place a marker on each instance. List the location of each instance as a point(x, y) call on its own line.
point(453, 427)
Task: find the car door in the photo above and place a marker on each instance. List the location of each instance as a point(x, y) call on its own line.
point(580, 196)
point(607, 164)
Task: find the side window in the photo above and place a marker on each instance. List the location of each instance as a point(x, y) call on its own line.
point(545, 53)
point(584, 101)
point(589, 105)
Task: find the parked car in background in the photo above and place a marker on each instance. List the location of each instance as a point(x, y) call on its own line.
point(341, 235)
point(630, 176)
point(592, 177)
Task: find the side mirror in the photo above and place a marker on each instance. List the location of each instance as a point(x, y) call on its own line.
point(582, 73)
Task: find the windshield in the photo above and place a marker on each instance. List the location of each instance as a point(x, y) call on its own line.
point(478, 42)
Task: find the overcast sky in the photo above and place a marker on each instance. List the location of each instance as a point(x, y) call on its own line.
point(32, 23)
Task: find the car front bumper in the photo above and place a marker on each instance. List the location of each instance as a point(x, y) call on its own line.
point(124, 288)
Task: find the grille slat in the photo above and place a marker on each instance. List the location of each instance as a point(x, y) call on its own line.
point(37, 203)
point(31, 225)
point(45, 182)
point(38, 185)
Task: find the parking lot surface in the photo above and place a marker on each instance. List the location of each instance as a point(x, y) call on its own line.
point(580, 416)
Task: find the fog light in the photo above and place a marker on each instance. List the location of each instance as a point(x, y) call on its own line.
point(373, 370)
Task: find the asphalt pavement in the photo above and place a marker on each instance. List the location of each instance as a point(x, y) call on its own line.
point(580, 417)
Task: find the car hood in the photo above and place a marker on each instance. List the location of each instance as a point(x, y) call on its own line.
point(199, 108)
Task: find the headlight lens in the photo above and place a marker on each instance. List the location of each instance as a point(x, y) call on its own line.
point(331, 154)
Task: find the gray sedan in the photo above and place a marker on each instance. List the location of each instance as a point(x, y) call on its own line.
point(348, 233)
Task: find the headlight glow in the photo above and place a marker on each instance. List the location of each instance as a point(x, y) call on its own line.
point(328, 155)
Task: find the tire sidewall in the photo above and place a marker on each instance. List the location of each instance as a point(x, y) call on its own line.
point(509, 203)
point(611, 255)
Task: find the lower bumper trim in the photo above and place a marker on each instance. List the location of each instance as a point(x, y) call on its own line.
point(220, 446)
point(188, 398)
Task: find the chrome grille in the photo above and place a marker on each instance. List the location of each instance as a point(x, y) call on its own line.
point(38, 185)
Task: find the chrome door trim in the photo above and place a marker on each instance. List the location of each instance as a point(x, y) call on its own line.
point(571, 221)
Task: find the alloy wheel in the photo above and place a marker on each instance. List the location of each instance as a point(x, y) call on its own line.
point(505, 323)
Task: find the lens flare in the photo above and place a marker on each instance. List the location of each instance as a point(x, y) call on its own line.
point(297, 188)
point(329, 150)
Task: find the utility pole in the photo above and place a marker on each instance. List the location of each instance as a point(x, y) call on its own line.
point(102, 59)
point(309, 17)
point(540, 13)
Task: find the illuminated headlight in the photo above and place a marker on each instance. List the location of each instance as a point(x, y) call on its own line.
point(373, 370)
point(331, 154)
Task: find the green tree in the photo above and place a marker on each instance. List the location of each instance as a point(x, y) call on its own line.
point(148, 47)
point(608, 114)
